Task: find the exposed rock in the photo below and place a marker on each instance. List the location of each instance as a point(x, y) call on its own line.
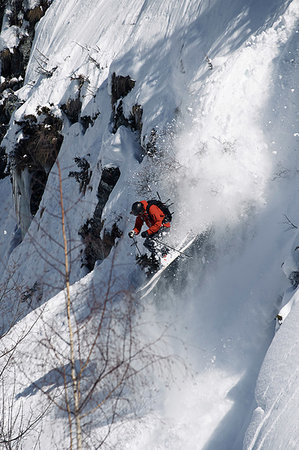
point(40, 144)
point(294, 279)
point(135, 119)
point(37, 186)
point(109, 178)
point(72, 109)
point(2, 9)
point(25, 49)
point(12, 64)
point(9, 102)
point(14, 61)
point(98, 247)
point(15, 15)
point(31, 161)
point(87, 120)
point(84, 175)
point(120, 87)
point(18, 13)
point(119, 118)
point(11, 85)
point(34, 15)
point(3, 163)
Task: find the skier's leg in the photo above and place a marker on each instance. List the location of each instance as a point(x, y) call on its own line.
point(157, 249)
point(149, 244)
point(152, 246)
point(161, 236)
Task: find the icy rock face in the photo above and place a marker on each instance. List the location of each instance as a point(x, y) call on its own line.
point(72, 107)
point(2, 8)
point(18, 20)
point(32, 159)
point(120, 88)
point(97, 245)
point(9, 102)
point(22, 191)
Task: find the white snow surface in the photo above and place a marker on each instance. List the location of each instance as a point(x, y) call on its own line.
point(228, 143)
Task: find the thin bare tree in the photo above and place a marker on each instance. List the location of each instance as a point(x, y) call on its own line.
point(97, 363)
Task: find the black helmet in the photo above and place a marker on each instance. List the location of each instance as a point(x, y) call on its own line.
point(137, 208)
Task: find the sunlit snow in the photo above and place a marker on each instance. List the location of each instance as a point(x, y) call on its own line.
point(228, 146)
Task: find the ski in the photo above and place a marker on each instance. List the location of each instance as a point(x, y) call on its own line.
point(165, 263)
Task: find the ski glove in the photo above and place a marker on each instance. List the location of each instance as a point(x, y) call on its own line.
point(131, 234)
point(144, 234)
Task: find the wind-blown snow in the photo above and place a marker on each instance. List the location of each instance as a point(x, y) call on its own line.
point(228, 141)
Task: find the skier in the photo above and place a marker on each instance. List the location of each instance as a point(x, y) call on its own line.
point(158, 223)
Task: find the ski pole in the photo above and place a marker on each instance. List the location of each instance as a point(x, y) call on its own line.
point(172, 248)
point(136, 245)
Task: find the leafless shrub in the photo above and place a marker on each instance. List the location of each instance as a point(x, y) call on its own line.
point(42, 65)
point(93, 366)
point(90, 57)
point(157, 168)
point(15, 424)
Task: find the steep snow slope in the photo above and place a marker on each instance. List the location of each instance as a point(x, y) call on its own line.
point(275, 421)
point(229, 136)
point(244, 180)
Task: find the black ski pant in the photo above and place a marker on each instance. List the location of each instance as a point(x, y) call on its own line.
point(153, 246)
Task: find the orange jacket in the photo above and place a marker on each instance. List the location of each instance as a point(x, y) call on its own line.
point(154, 220)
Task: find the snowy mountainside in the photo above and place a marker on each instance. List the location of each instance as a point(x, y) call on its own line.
point(274, 423)
point(196, 101)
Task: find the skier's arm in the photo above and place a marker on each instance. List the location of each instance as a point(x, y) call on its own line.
point(158, 217)
point(138, 225)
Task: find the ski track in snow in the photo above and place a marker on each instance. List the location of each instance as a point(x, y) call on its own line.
point(231, 140)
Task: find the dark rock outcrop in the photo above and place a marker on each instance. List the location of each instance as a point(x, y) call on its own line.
point(98, 244)
point(120, 87)
point(41, 142)
point(37, 151)
point(83, 175)
point(3, 163)
point(72, 109)
point(14, 61)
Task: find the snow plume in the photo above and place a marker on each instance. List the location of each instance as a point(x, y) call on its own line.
point(223, 158)
point(224, 155)
point(224, 175)
point(224, 302)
